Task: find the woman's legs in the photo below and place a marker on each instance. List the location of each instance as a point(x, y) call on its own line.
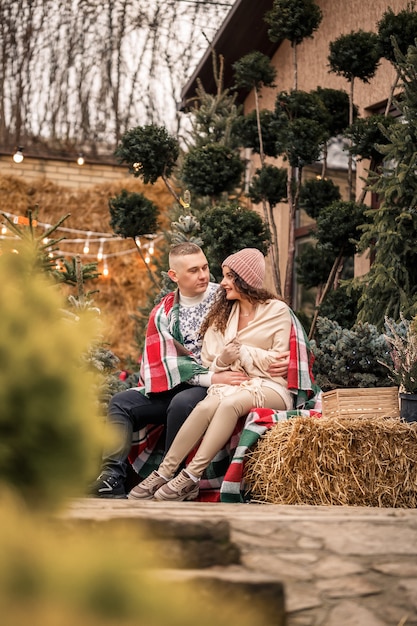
point(189, 435)
point(224, 420)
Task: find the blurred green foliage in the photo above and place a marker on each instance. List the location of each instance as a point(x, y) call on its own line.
point(49, 425)
point(62, 573)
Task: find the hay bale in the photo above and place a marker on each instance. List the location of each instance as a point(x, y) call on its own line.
point(365, 461)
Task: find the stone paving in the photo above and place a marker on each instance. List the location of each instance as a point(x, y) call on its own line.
point(340, 566)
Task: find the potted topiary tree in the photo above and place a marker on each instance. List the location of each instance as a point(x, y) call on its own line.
point(402, 337)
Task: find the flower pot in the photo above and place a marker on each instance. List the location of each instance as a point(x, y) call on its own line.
point(408, 407)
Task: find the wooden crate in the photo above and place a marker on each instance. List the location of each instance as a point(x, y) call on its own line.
point(358, 402)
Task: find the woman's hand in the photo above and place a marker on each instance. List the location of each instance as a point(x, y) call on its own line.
point(229, 354)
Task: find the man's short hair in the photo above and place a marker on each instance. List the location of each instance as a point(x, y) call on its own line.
point(184, 248)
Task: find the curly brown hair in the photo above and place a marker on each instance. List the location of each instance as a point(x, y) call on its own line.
point(220, 309)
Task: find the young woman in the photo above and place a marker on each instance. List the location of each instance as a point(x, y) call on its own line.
point(246, 328)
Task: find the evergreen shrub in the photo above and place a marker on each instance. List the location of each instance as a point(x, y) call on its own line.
point(350, 357)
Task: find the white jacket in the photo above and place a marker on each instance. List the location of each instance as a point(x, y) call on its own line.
point(262, 340)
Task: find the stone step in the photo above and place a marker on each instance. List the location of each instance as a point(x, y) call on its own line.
point(174, 543)
point(196, 553)
point(191, 544)
point(251, 592)
point(338, 564)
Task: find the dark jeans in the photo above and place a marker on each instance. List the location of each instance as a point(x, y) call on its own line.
point(130, 410)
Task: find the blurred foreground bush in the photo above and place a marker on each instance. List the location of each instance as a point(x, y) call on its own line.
point(49, 425)
point(53, 573)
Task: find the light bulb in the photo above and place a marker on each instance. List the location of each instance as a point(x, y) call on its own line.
point(100, 252)
point(86, 248)
point(80, 159)
point(18, 155)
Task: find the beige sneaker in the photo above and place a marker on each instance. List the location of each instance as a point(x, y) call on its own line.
point(145, 490)
point(180, 488)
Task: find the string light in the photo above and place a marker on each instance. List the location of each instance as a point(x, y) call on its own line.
point(89, 237)
point(86, 248)
point(18, 219)
point(18, 155)
point(80, 159)
point(94, 256)
point(100, 251)
point(105, 267)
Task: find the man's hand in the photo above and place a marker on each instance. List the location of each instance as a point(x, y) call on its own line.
point(280, 366)
point(228, 378)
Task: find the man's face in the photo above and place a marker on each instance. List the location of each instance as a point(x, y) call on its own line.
point(191, 273)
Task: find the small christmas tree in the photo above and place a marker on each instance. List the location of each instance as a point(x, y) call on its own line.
point(350, 358)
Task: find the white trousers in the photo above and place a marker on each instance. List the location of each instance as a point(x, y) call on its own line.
point(212, 421)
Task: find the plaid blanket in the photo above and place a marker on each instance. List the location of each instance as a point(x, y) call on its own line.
point(223, 479)
point(165, 362)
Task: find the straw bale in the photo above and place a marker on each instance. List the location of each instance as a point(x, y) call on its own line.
point(128, 285)
point(365, 461)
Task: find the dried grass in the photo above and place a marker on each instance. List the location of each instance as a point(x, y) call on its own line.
point(127, 287)
point(365, 461)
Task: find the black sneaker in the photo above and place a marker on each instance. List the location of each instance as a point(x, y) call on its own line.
point(107, 487)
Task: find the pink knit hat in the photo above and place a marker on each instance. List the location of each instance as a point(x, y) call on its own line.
point(249, 264)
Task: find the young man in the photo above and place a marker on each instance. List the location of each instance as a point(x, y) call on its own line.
point(172, 379)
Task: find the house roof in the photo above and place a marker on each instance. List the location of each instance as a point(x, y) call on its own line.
point(243, 31)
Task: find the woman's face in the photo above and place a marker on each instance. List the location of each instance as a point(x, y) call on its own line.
point(228, 284)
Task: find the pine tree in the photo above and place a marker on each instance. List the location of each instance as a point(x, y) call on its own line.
point(213, 116)
point(350, 358)
point(396, 30)
point(390, 287)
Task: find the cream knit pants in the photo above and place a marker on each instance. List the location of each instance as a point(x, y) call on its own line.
point(215, 418)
